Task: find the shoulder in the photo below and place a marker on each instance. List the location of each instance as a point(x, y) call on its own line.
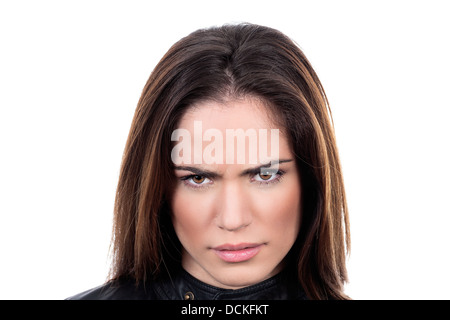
point(126, 289)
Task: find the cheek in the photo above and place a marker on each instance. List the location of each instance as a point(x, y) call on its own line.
point(189, 215)
point(281, 210)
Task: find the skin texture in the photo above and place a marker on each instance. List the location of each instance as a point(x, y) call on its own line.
point(234, 207)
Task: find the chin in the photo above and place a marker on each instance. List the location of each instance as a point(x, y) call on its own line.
point(239, 276)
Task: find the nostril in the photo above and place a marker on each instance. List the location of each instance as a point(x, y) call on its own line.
point(234, 229)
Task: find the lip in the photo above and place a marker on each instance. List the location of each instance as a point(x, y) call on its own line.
point(237, 252)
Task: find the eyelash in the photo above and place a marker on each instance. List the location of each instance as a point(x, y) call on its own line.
point(279, 175)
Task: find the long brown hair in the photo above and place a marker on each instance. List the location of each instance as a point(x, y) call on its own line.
point(236, 60)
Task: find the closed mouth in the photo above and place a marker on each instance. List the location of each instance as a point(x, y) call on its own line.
point(238, 253)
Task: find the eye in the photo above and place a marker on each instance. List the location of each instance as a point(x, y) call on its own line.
point(267, 176)
point(198, 179)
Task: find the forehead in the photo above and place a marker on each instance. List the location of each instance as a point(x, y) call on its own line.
point(240, 131)
point(245, 113)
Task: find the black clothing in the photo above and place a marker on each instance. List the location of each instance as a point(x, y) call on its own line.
point(185, 287)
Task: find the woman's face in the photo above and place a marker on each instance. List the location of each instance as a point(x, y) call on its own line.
point(236, 220)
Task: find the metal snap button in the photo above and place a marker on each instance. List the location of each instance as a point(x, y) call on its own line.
point(188, 296)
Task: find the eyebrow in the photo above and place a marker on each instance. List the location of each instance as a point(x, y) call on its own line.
point(211, 174)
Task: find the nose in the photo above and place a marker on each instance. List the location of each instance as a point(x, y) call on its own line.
point(233, 208)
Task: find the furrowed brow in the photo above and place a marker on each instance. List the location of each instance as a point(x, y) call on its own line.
point(211, 174)
point(198, 171)
point(258, 169)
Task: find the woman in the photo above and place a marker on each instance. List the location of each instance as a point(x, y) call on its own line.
point(196, 218)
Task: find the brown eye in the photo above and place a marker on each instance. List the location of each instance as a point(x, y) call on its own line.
point(265, 176)
point(198, 179)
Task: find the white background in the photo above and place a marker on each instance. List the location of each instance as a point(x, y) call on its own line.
point(71, 73)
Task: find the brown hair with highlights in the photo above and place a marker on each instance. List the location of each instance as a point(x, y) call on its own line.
point(237, 60)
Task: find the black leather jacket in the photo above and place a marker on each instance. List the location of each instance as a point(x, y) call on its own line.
point(185, 287)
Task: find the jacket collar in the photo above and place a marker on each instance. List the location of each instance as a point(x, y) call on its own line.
point(184, 286)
